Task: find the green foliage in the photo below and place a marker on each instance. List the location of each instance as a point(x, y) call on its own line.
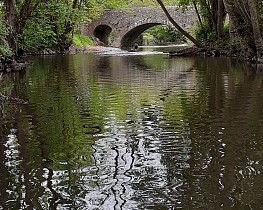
point(204, 34)
point(112, 4)
point(90, 11)
point(63, 19)
point(140, 3)
point(82, 41)
point(163, 34)
point(49, 24)
point(37, 34)
point(235, 46)
point(184, 3)
point(4, 48)
point(226, 29)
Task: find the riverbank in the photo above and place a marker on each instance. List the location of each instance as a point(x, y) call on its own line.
point(9, 64)
point(219, 51)
point(196, 51)
point(76, 50)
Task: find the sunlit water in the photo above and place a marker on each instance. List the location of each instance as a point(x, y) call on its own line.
point(119, 130)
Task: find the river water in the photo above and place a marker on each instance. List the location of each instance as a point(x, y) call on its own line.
point(118, 130)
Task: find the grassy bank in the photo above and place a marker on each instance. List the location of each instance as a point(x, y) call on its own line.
point(82, 41)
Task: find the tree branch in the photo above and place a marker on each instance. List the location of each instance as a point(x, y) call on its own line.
point(179, 28)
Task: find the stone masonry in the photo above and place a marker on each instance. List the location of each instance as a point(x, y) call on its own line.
point(128, 24)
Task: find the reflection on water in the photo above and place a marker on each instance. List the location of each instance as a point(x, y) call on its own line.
point(132, 132)
point(164, 48)
point(151, 50)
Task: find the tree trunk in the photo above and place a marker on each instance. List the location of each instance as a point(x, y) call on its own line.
point(74, 4)
point(10, 21)
point(209, 15)
point(179, 28)
point(198, 14)
point(256, 29)
point(238, 28)
point(245, 31)
point(220, 19)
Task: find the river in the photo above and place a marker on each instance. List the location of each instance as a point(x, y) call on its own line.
point(129, 131)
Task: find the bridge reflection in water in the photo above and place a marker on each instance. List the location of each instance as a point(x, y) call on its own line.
point(132, 132)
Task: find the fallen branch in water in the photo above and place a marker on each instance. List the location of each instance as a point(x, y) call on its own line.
point(193, 51)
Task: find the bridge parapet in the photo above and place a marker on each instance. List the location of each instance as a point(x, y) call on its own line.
point(128, 24)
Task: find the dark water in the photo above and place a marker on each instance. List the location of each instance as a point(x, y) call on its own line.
point(132, 132)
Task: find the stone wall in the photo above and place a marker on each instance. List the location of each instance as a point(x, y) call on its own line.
point(127, 24)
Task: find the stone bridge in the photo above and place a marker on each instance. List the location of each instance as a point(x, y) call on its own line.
point(125, 25)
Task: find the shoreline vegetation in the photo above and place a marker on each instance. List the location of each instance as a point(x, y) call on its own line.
point(224, 27)
point(10, 65)
point(231, 28)
point(81, 44)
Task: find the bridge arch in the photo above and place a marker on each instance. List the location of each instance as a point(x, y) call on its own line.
point(102, 32)
point(129, 38)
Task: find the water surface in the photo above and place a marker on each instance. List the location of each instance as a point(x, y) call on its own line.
point(137, 131)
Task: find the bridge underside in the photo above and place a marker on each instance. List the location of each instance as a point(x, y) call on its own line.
point(128, 40)
point(102, 32)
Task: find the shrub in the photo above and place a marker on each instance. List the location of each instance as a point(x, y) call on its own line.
point(204, 34)
point(37, 34)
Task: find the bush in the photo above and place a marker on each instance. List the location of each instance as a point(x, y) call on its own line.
point(37, 34)
point(204, 34)
point(49, 26)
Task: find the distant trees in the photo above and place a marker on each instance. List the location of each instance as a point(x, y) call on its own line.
point(162, 34)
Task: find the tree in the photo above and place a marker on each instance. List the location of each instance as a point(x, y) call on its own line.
point(179, 28)
point(10, 21)
point(245, 23)
point(36, 24)
point(255, 21)
point(246, 26)
point(4, 47)
point(33, 25)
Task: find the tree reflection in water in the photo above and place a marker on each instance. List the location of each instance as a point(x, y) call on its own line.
point(130, 132)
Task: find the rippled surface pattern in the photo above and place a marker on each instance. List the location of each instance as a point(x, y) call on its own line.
point(105, 131)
